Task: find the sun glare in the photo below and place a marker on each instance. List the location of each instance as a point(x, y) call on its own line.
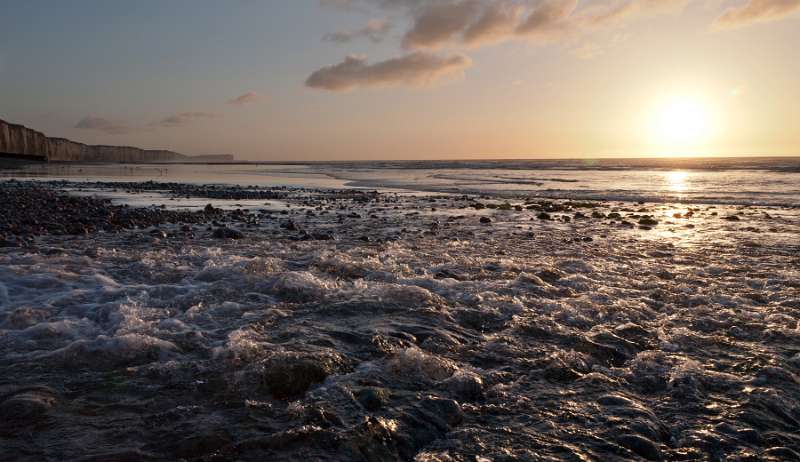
point(681, 123)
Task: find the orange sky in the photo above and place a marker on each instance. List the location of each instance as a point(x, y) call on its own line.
point(395, 79)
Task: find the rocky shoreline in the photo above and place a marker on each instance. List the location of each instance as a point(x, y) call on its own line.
point(356, 325)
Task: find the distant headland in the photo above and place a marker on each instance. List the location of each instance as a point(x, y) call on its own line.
point(19, 142)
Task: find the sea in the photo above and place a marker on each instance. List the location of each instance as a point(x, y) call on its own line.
point(443, 311)
point(754, 181)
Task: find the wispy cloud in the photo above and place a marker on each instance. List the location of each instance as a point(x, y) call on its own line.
point(754, 11)
point(184, 118)
point(103, 125)
point(375, 31)
point(472, 23)
point(247, 98)
point(415, 69)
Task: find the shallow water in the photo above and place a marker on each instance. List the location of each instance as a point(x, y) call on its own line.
point(745, 181)
point(418, 333)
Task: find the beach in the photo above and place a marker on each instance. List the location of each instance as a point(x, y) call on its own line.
point(184, 320)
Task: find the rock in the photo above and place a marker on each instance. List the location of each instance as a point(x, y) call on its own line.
point(465, 386)
point(641, 446)
point(227, 233)
point(544, 216)
point(647, 220)
point(608, 348)
point(27, 406)
point(732, 218)
point(210, 209)
point(780, 453)
point(372, 399)
point(288, 375)
point(486, 220)
point(24, 317)
point(446, 409)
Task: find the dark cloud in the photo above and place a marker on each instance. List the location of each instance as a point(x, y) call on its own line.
point(375, 31)
point(415, 69)
point(757, 11)
point(439, 22)
point(247, 98)
point(103, 125)
point(184, 118)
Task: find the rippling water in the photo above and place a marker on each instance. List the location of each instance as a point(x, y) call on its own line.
point(418, 332)
point(755, 181)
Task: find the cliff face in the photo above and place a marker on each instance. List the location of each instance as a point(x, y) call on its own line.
point(19, 141)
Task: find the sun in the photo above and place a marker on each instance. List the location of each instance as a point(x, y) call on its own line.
point(681, 123)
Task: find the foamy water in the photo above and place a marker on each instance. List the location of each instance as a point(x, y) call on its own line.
point(418, 332)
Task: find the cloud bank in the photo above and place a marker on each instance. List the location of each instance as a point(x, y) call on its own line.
point(415, 69)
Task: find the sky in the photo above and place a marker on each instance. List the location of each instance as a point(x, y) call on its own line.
point(408, 79)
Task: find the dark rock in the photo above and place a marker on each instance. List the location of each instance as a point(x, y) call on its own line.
point(372, 399)
point(486, 220)
point(289, 375)
point(227, 233)
point(27, 407)
point(465, 387)
point(647, 220)
point(641, 446)
point(780, 453)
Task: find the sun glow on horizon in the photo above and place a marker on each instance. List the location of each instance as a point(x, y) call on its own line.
point(681, 124)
